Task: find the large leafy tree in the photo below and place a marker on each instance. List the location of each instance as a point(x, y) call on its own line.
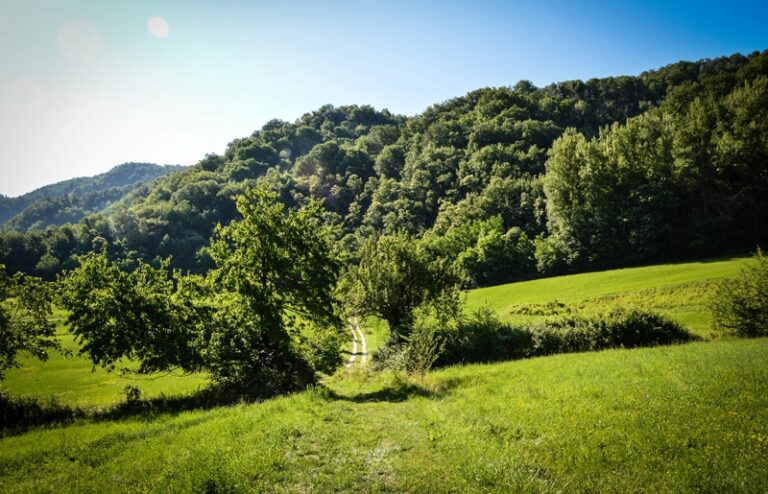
point(276, 272)
point(395, 277)
point(262, 321)
point(144, 316)
point(25, 304)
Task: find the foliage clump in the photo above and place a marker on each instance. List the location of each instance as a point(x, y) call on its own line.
point(21, 411)
point(484, 338)
point(276, 274)
point(397, 279)
point(263, 321)
point(740, 304)
point(619, 328)
point(25, 307)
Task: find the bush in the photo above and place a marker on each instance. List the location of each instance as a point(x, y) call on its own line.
point(484, 338)
point(620, 328)
point(271, 370)
point(16, 411)
point(389, 356)
point(417, 354)
point(320, 348)
point(425, 345)
point(740, 305)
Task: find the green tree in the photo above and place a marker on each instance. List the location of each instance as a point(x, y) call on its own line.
point(145, 315)
point(264, 320)
point(25, 306)
point(610, 199)
point(740, 304)
point(498, 257)
point(395, 277)
point(276, 273)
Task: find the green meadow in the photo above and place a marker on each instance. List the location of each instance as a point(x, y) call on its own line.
point(73, 381)
point(691, 418)
point(682, 291)
point(687, 418)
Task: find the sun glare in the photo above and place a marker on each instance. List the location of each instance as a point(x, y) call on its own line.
point(158, 27)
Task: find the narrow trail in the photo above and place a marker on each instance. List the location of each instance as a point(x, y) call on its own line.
point(357, 336)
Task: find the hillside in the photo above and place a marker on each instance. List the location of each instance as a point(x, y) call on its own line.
point(513, 182)
point(682, 418)
point(682, 291)
point(71, 200)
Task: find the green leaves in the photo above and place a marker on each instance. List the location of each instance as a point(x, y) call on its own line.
point(25, 305)
point(280, 261)
point(740, 305)
point(396, 275)
point(145, 315)
point(276, 271)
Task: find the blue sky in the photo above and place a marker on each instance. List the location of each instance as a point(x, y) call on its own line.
point(86, 85)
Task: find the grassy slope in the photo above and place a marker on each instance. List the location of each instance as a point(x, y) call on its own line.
point(675, 419)
point(680, 290)
point(672, 419)
point(72, 381)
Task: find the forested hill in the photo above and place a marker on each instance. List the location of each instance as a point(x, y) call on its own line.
point(512, 182)
point(71, 200)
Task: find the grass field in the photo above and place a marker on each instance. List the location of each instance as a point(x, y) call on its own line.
point(73, 381)
point(690, 418)
point(681, 291)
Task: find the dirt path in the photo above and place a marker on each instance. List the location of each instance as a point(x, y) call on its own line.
point(363, 343)
point(357, 336)
point(353, 353)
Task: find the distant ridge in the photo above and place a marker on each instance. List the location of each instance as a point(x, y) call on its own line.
point(70, 200)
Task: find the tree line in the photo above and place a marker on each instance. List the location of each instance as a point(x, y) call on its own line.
point(510, 183)
point(268, 318)
point(71, 200)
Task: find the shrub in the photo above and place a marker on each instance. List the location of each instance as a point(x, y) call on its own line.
point(484, 338)
point(620, 328)
point(389, 356)
point(320, 348)
point(16, 411)
point(417, 354)
point(425, 344)
point(740, 305)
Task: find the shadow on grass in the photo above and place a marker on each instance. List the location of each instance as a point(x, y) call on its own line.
point(398, 392)
point(392, 394)
point(19, 414)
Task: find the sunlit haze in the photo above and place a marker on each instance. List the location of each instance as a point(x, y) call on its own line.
point(86, 85)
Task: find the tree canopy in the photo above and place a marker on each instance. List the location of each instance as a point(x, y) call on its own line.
point(25, 307)
point(528, 181)
point(396, 276)
point(264, 320)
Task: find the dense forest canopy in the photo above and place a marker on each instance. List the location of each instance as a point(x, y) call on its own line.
point(511, 182)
